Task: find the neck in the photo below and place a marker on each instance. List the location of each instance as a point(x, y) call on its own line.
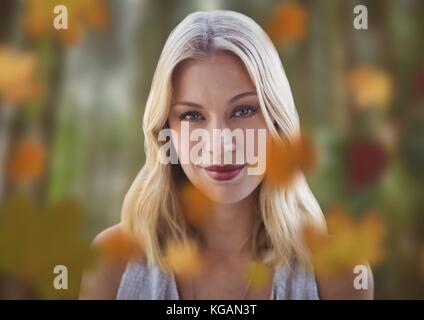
point(229, 227)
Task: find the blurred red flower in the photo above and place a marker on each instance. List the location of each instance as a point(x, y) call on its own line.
point(366, 161)
point(419, 82)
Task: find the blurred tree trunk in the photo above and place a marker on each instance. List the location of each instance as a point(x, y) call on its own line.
point(50, 55)
point(152, 38)
point(7, 13)
point(49, 112)
point(9, 122)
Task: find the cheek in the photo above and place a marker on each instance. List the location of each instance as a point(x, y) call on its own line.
point(255, 122)
point(182, 143)
point(175, 126)
point(255, 134)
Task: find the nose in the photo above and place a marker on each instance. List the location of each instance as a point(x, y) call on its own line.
point(221, 139)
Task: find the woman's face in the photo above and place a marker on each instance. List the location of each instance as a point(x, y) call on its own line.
point(213, 94)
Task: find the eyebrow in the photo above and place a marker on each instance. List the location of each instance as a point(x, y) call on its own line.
point(232, 100)
point(241, 95)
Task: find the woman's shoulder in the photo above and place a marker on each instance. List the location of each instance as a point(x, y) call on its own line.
point(101, 279)
point(107, 236)
point(110, 232)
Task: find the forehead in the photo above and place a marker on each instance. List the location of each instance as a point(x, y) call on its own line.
point(219, 73)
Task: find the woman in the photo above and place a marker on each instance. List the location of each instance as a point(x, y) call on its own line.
point(218, 70)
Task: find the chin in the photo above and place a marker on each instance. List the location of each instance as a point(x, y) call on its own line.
point(228, 192)
point(223, 191)
point(227, 195)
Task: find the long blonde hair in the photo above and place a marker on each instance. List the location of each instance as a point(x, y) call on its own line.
point(151, 211)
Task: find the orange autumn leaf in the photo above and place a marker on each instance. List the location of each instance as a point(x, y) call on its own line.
point(196, 206)
point(17, 77)
point(339, 221)
point(183, 259)
point(350, 242)
point(27, 162)
point(284, 160)
point(288, 23)
point(39, 17)
point(120, 247)
point(369, 86)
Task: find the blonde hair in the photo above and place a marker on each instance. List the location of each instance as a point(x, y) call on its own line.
point(150, 211)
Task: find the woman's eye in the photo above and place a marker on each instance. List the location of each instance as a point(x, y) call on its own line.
point(245, 111)
point(191, 116)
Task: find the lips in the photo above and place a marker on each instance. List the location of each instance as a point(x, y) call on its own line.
point(224, 172)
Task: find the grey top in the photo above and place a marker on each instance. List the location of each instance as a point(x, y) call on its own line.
point(141, 282)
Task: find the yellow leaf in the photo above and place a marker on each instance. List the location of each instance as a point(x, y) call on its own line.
point(183, 258)
point(369, 87)
point(34, 240)
point(258, 274)
point(349, 243)
point(17, 77)
point(82, 14)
